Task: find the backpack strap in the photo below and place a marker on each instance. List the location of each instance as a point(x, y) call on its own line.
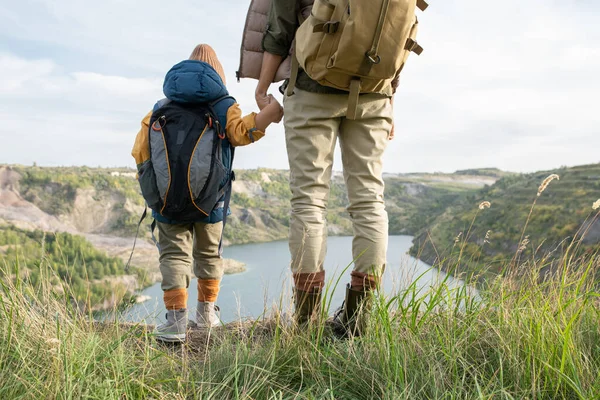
point(229, 189)
point(137, 233)
point(229, 184)
point(353, 99)
point(161, 103)
point(372, 55)
point(295, 66)
point(220, 99)
point(371, 58)
point(211, 106)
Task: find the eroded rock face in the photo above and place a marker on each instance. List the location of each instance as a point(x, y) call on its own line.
point(15, 210)
point(9, 178)
point(248, 188)
point(94, 212)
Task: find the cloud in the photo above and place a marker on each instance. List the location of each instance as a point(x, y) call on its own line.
point(511, 85)
point(53, 117)
point(17, 73)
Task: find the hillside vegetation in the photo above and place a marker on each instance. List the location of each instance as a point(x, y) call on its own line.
point(107, 201)
point(71, 261)
point(437, 208)
point(92, 200)
point(95, 212)
point(261, 208)
point(486, 240)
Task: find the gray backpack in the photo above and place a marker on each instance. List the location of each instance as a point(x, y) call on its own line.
point(185, 177)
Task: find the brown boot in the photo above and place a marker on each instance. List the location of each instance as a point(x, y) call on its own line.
point(352, 317)
point(307, 305)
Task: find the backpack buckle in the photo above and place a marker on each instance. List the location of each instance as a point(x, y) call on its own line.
point(331, 27)
point(412, 45)
point(328, 27)
point(422, 4)
point(220, 130)
point(373, 58)
point(159, 123)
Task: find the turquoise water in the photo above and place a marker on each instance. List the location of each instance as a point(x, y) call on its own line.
point(266, 282)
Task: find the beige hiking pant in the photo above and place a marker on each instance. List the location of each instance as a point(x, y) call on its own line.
point(313, 123)
point(182, 244)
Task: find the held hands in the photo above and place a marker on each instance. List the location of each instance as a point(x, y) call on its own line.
point(262, 99)
point(273, 110)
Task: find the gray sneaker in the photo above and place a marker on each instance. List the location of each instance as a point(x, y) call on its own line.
point(173, 331)
point(206, 315)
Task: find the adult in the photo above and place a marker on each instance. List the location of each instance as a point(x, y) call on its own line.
point(314, 120)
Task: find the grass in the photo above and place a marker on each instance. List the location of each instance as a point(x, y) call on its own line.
point(524, 335)
point(520, 338)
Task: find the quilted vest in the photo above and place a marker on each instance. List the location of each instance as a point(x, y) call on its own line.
point(251, 53)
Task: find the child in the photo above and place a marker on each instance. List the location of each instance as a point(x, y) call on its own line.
point(199, 80)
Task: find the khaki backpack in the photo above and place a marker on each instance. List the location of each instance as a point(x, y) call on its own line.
point(356, 45)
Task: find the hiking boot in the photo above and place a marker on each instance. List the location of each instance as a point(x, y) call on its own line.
point(172, 331)
point(306, 304)
point(206, 315)
point(352, 317)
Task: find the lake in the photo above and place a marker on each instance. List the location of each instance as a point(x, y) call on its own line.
point(267, 280)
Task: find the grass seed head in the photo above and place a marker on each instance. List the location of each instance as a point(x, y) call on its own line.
point(484, 204)
point(524, 244)
point(596, 205)
point(457, 238)
point(487, 237)
point(546, 182)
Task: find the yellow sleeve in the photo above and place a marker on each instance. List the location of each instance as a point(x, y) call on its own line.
point(241, 131)
point(141, 147)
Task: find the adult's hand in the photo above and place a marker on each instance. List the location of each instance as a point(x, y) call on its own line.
point(262, 98)
point(392, 133)
point(391, 136)
point(270, 64)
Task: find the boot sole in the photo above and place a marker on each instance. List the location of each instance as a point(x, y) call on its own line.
point(206, 327)
point(171, 338)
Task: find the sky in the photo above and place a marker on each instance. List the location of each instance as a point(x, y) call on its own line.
point(511, 84)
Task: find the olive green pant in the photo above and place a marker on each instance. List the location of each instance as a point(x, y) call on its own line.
point(180, 245)
point(313, 124)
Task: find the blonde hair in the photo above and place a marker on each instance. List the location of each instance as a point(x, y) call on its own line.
point(205, 53)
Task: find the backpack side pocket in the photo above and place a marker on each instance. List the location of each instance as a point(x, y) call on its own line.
point(316, 38)
point(147, 181)
point(211, 194)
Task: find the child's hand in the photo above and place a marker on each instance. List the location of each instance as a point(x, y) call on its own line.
point(262, 99)
point(271, 113)
point(274, 111)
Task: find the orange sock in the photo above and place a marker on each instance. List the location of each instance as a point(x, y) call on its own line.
point(175, 299)
point(307, 282)
point(362, 281)
point(208, 290)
